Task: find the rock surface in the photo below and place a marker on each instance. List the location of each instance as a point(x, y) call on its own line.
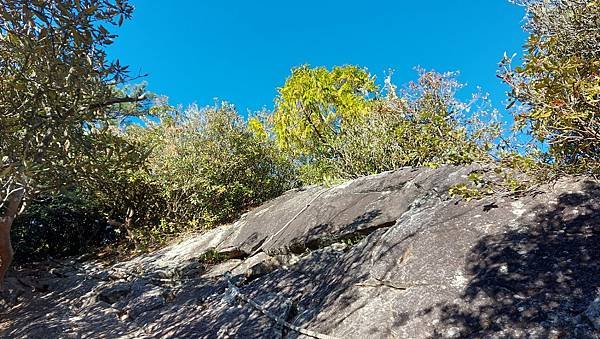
point(384, 256)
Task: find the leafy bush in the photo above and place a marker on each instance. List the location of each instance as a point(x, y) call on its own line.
point(423, 125)
point(207, 166)
point(135, 205)
point(109, 205)
point(314, 108)
point(558, 84)
point(194, 169)
point(66, 224)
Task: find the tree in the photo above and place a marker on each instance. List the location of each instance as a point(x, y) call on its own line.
point(423, 124)
point(558, 83)
point(59, 98)
point(313, 110)
point(337, 125)
point(208, 166)
point(315, 105)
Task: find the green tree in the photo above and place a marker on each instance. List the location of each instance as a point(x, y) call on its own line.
point(336, 124)
point(59, 98)
point(315, 106)
point(207, 165)
point(558, 84)
point(423, 124)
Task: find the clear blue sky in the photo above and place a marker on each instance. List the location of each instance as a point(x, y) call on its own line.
point(241, 51)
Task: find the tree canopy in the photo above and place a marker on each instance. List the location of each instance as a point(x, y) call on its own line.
point(59, 97)
point(558, 84)
point(315, 105)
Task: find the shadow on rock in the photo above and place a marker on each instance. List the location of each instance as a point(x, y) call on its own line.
point(537, 281)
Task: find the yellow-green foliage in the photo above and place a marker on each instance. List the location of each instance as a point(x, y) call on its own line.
point(476, 187)
point(558, 84)
point(337, 128)
point(316, 105)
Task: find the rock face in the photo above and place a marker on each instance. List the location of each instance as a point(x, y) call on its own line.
point(385, 256)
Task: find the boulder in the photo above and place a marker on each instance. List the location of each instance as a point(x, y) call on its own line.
point(390, 255)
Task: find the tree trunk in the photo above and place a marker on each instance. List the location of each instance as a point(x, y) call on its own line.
point(6, 251)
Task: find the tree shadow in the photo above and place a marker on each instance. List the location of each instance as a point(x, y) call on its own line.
point(198, 308)
point(321, 279)
point(537, 280)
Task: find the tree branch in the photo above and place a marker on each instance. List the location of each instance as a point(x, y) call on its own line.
point(113, 101)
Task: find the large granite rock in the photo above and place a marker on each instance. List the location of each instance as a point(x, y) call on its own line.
point(384, 256)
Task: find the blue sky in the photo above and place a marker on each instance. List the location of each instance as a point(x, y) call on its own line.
point(241, 51)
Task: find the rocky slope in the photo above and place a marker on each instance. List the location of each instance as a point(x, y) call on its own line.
point(385, 256)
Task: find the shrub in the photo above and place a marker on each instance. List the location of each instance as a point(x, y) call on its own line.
point(423, 125)
point(558, 84)
point(115, 203)
point(61, 225)
point(208, 166)
point(195, 169)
